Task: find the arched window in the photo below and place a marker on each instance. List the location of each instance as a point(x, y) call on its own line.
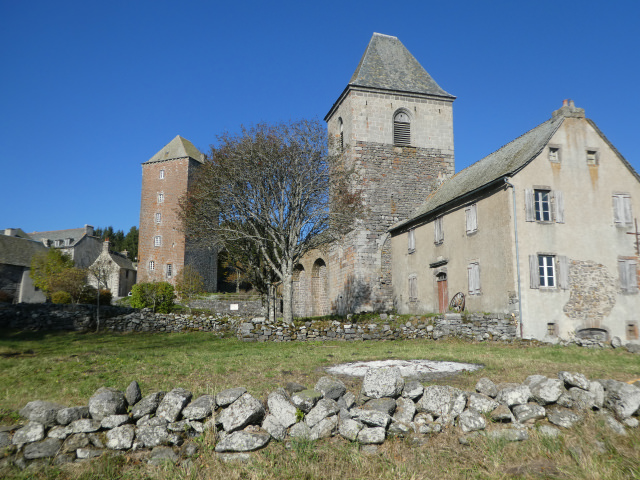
point(341, 134)
point(401, 129)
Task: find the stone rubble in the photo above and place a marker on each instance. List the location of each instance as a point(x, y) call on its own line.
point(162, 423)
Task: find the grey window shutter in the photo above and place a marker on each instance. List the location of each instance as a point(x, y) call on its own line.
point(439, 234)
point(563, 272)
point(632, 276)
point(559, 197)
point(530, 214)
point(628, 216)
point(618, 209)
point(476, 277)
point(624, 277)
point(474, 217)
point(470, 278)
point(467, 212)
point(534, 274)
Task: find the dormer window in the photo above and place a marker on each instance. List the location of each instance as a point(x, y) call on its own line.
point(401, 129)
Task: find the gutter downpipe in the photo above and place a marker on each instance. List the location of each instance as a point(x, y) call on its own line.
point(515, 224)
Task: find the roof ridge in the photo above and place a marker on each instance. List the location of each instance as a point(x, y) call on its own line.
point(505, 161)
point(509, 143)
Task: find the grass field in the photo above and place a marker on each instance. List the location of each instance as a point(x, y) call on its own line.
point(68, 367)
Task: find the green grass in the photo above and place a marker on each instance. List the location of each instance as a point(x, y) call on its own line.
point(68, 367)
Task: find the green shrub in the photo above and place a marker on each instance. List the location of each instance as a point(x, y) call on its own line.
point(88, 296)
point(156, 295)
point(61, 298)
point(5, 297)
point(105, 296)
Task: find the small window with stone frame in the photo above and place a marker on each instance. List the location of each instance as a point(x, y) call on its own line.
point(152, 265)
point(632, 331)
point(593, 157)
point(169, 270)
point(160, 197)
point(158, 217)
point(157, 241)
point(554, 154)
point(161, 174)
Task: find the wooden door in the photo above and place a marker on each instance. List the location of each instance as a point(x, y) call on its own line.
point(443, 294)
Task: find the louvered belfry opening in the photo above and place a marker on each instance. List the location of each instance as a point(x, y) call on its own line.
point(401, 129)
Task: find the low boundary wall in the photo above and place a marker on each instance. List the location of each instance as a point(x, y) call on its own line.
point(258, 329)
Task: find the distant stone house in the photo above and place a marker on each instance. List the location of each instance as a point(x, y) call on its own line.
point(16, 251)
point(541, 228)
point(77, 243)
point(120, 273)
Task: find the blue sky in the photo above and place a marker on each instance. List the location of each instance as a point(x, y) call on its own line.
point(89, 90)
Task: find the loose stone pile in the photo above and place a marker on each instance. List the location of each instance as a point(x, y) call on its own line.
point(163, 423)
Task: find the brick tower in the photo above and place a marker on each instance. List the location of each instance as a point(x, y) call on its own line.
point(163, 249)
point(395, 126)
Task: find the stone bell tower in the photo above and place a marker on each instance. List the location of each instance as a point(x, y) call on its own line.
point(395, 126)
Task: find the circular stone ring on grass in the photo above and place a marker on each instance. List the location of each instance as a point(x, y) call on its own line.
point(419, 369)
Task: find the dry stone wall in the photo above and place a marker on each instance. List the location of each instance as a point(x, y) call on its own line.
point(161, 426)
point(474, 327)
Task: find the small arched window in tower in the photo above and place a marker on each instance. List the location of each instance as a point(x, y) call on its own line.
point(341, 134)
point(401, 129)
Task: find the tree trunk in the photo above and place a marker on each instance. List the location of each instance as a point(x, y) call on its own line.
point(98, 310)
point(287, 298)
point(270, 306)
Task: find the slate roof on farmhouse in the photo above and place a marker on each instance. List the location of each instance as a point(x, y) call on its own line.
point(177, 148)
point(503, 162)
point(18, 251)
point(387, 64)
point(121, 260)
point(74, 233)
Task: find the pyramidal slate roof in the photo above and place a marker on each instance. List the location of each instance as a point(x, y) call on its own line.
point(504, 162)
point(388, 65)
point(177, 148)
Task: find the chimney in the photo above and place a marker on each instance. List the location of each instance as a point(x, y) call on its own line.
point(105, 246)
point(569, 109)
point(88, 229)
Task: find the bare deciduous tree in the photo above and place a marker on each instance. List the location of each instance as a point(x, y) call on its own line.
point(189, 285)
point(276, 189)
point(100, 271)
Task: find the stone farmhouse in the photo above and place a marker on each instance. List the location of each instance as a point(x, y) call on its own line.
point(78, 243)
point(541, 227)
point(428, 234)
point(16, 251)
point(117, 272)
